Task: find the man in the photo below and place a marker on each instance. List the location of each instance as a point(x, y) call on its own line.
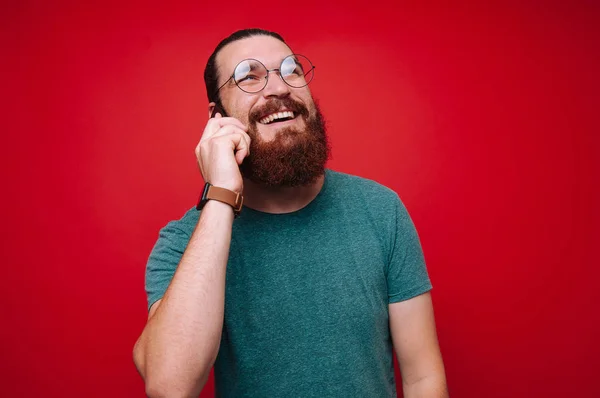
point(304, 293)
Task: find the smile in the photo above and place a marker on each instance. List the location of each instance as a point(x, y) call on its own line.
point(277, 117)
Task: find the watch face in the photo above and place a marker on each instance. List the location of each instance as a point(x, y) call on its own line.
point(203, 198)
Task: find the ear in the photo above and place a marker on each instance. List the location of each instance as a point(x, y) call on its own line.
point(211, 106)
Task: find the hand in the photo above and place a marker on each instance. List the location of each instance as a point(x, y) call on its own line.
point(221, 150)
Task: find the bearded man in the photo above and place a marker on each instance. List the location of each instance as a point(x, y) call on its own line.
point(321, 277)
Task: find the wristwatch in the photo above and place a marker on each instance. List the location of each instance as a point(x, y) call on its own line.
point(233, 199)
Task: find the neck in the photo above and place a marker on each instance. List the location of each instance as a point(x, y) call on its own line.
point(278, 200)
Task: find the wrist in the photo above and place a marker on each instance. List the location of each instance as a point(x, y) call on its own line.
point(222, 195)
point(218, 207)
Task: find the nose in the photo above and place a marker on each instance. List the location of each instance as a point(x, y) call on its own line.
point(275, 87)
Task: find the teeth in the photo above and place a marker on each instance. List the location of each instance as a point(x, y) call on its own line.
point(274, 116)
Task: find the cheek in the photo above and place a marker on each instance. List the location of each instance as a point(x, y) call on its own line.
point(241, 111)
point(308, 101)
point(235, 105)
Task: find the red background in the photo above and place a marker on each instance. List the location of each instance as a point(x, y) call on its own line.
point(483, 118)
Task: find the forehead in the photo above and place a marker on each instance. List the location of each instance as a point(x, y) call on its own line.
point(268, 50)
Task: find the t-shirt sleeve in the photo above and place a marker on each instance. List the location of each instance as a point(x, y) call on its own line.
point(163, 261)
point(407, 274)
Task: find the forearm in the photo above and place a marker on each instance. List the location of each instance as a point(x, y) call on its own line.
point(181, 340)
point(433, 386)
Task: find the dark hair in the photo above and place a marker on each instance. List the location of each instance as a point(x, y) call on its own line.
point(210, 72)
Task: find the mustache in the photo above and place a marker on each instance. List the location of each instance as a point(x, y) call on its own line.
point(276, 104)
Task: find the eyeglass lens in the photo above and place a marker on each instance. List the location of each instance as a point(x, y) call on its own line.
point(251, 75)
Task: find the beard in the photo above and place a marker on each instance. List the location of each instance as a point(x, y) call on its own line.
point(295, 157)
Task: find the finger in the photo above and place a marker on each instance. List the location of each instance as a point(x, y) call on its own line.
point(235, 140)
point(248, 141)
point(226, 130)
point(222, 121)
point(233, 130)
point(230, 129)
point(215, 124)
point(236, 143)
point(212, 128)
point(240, 156)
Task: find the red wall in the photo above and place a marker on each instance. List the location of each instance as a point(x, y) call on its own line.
point(483, 118)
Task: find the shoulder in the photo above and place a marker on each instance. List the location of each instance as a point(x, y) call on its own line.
point(380, 204)
point(360, 188)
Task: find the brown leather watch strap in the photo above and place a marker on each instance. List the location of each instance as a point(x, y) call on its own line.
point(234, 199)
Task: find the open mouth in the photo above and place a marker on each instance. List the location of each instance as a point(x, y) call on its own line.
point(277, 117)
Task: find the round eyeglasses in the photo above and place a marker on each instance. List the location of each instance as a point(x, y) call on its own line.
point(252, 76)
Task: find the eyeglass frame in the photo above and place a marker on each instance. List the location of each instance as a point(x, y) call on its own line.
point(268, 72)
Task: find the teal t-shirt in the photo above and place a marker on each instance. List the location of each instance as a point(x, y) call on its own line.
point(307, 293)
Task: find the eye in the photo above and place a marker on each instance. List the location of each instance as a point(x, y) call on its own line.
point(249, 71)
point(296, 71)
point(251, 77)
